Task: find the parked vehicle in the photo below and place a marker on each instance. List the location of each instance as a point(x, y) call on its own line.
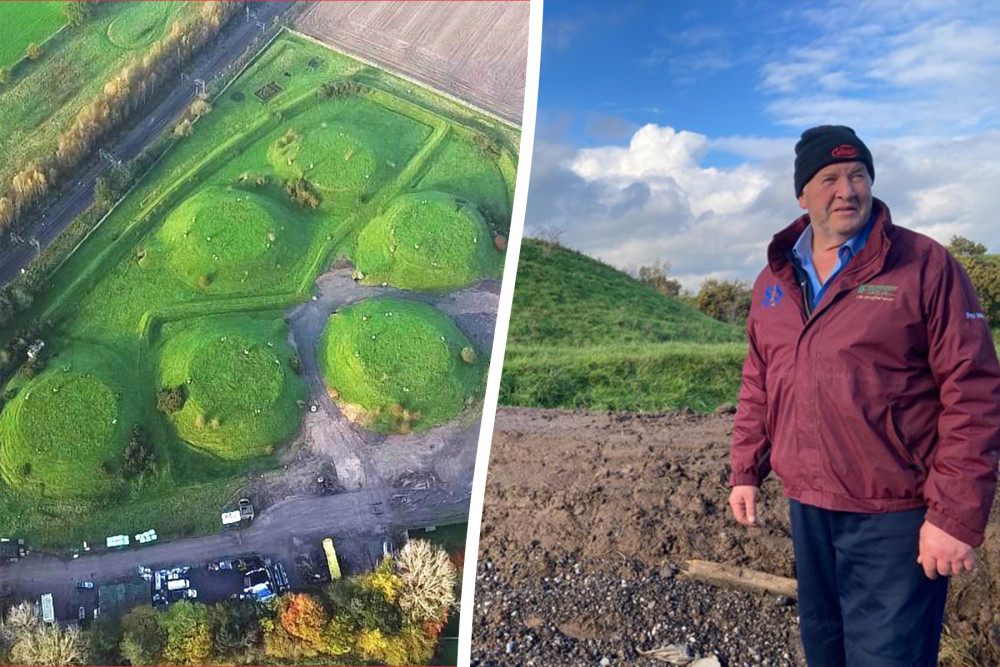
point(84, 585)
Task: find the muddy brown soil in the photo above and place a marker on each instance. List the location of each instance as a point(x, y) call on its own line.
point(621, 497)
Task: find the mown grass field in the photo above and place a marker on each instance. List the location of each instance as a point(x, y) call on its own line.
point(428, 241)
point(400, 363)
point(584, 335)
point(41, 99)
point(25, 23)
point(190, 277)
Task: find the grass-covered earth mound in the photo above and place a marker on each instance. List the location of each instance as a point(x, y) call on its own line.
point(428, 241)
point(240, 388)
point(398, 365)
point(135, 29)
point(585, 335)
point(564, 298)
point(224, 239)
point(334, 157)
point(63, 433)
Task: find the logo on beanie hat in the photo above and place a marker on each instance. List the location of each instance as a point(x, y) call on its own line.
point(844, 150)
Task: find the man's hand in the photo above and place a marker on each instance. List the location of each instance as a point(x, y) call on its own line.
point(743, 500)
point(940, 553)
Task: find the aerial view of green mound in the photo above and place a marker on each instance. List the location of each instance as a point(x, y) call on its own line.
point(228, 386)
point(397, 365)
point(223, 239)
point(63, 433)
point(428, 241)
point(334, 157)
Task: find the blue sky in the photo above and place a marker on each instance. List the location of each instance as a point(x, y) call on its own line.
point(665, 130)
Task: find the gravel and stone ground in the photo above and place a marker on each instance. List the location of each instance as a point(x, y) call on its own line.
point(588, 519)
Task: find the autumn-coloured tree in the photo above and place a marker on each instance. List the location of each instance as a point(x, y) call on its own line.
point(428, 581)
point(302, 616)
point(33, 51)
point(384, 580)
point(35, 643)
point(142, 637)
point(189, 636)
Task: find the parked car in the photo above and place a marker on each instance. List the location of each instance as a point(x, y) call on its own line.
point(84, 585)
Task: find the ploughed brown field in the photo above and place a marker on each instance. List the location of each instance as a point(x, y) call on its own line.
point(475, 51)
point(626, 496)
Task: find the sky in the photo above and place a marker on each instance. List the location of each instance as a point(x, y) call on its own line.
point(666, 129)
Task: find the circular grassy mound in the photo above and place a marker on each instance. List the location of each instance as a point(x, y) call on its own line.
point(428, 241)
point(398, 365)
point(227, 239)
point(133, 29)
point(65, 430)
point(333, 158)
point(241, 391)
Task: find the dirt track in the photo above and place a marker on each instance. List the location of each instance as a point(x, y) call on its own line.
point(475, 51)
point(577, 502)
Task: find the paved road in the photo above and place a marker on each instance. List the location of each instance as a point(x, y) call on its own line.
point(78, 196)
point(286, 529)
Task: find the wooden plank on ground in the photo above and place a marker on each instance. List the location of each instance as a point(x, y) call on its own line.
point(729, 576)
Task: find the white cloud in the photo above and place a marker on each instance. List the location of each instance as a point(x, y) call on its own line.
point(655, 200)
point(931, 69)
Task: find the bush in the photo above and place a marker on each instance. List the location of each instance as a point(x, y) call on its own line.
point(725, 300)
point(469, 355)
point(302, 193)
point(172, 399)
point(295, 363)
point(138, 455)
point(33, 51)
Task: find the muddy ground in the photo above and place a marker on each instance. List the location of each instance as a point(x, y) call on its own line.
point(589, 516)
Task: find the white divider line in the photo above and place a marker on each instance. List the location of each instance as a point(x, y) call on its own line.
point(500, 337)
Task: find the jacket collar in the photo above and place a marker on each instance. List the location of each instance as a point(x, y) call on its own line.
point(876, 246)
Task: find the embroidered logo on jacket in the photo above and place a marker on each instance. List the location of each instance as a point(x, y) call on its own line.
point(772, 295)
point(975, 316)
point(877, 292)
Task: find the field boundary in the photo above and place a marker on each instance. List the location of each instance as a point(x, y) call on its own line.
point(409, 79)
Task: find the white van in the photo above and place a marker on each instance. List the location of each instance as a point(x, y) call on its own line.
point(178, 584)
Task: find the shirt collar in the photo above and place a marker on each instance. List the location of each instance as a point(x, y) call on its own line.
point(802, 249)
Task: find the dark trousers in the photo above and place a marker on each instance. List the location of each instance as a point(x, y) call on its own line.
point(863, 599)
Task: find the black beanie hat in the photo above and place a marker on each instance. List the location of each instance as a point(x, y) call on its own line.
point(826, 144)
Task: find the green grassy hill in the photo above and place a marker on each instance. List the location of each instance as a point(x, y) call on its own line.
point(564, 298)
point(583, 334)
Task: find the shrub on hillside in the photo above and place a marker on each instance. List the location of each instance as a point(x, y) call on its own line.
point(33, 51)
point(656, 276)
point(984, 272)
point(138, 455)
point(469, 355)
point(338, 89)
point(302, 192)
point(295, 363)
point(172, 399)
point(725, 300)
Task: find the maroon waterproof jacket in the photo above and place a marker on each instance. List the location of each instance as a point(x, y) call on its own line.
point(887, 398)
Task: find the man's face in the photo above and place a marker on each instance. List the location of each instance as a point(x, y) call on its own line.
point(839, 200)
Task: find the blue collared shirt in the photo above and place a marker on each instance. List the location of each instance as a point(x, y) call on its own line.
point(802, 256)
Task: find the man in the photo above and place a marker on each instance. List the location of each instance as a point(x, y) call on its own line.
point(871, 387)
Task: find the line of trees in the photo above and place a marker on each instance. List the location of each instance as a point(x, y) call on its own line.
point(121, 96)
point(725, 300)
point(729, 300)
point(393, 615)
